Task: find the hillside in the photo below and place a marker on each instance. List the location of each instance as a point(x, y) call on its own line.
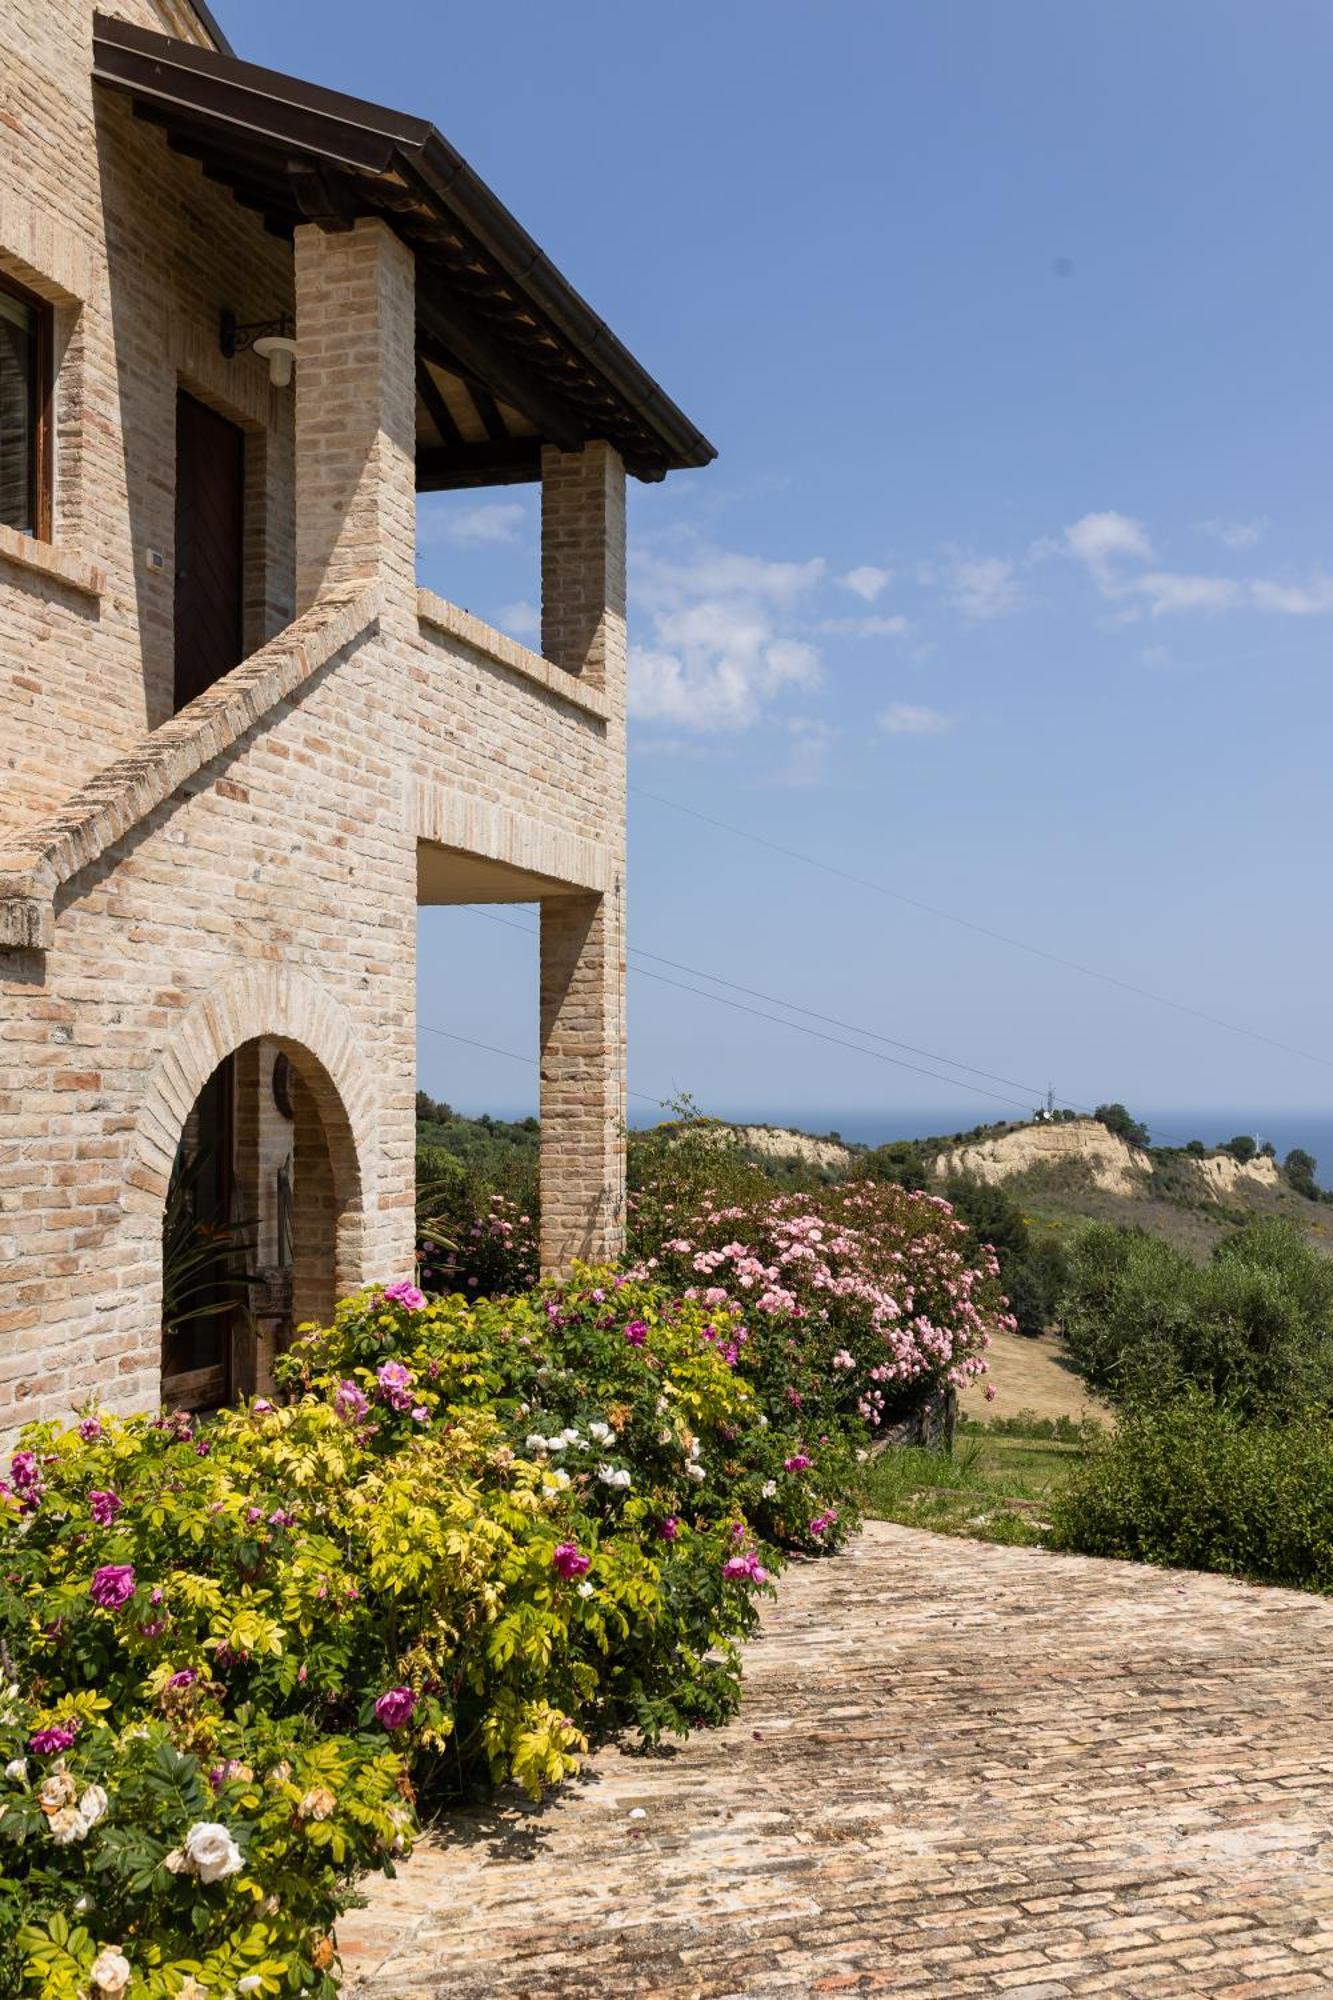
point(1077, 1169)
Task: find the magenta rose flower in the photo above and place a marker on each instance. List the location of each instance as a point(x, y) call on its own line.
point(349, 1402)
point(50, 1742)
point(104, 1507)
point(405, 1294)
point(90, 1430)
point(112, 1585)
point(186, 1678)
point(636, 1332)
point(395, 1380)
point(823, 1522)
point(570, 1560)
point(669, 1528)
point(744, 1569)
point(394, 1708)
point(798, 1462)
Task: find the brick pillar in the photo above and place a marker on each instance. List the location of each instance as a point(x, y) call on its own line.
point(583, 937)
point(356, 414)
point(315, 1213)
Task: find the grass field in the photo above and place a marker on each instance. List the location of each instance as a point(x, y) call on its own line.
point(1031, 1375)
point(994, 1488)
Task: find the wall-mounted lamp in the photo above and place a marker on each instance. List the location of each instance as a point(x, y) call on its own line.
point(273, 340)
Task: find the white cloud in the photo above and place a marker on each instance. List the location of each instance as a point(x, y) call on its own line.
point(725, 636)
point(866, 580)
point(878, 625)
point(903, 718)
point(1167, 592)
point(1100, 540)
point(1234, 534)
point(488, 522)
point(521, 620)
point(982, 586)
point(1295, 600)
point(1107, 543)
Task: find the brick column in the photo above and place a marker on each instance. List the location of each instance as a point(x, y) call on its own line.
point(583, 937)
point(356, 414)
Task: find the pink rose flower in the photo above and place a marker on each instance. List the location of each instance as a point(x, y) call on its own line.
point(112, 1585)
point(50, 1742)
point(349, 1402)
point(570, 1560)
point(405, 1294)
point(744, 1569)
point(394, 1708)
point(104, 1507)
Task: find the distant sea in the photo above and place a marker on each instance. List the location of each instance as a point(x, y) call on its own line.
point(1311, 1129)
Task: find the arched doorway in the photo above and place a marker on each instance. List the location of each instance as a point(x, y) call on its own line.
point(261, 1224)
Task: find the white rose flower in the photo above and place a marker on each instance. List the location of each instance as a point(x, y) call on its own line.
point(250, 1984)
point(177, 1862)
point(211, 1851)
point(56, 1791)
point(695, 1471)
point(570, 1436)
point(586, 1589)
point(603, 1433)
point(67, 1826)
point(110, 1971)
point(769, 1488)
point(16, 1770)
point(556, 1482)
point(535, 1443)
point(93, 1804)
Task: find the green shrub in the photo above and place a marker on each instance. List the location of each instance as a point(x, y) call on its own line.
point(1195, 1486)
point(1253, 1327)
point(474, 1541)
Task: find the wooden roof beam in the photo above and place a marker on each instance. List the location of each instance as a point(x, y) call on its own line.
point(459, 338)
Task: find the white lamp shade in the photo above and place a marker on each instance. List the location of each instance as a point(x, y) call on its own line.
point(279, 352)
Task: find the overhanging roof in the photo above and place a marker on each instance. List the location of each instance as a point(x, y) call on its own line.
point(508, 355)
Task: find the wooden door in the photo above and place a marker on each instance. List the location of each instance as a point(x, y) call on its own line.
point(210, 530)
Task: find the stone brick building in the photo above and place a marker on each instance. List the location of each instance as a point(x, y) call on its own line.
point(238, 746)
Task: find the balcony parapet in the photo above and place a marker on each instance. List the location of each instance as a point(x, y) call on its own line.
point(500, 650)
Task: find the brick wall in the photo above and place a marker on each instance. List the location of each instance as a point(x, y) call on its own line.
point(273, 893)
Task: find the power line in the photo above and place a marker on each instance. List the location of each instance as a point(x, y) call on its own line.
point(871, 1034)
point(424, 1028)
point(798, 1027)
point(983, 930)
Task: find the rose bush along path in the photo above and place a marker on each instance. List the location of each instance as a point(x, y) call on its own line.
point(475, 1541)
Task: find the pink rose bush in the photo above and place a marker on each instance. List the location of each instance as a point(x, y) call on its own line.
point(858, 1300)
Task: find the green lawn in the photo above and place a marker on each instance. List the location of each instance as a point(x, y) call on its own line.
point(994, 1488)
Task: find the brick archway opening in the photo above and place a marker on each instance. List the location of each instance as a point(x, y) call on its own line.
point(261, 1224)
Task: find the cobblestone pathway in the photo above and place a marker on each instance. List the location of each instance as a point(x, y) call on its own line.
point(959, 1770)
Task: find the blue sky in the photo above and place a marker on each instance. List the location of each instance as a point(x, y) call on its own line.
point(1012, 587)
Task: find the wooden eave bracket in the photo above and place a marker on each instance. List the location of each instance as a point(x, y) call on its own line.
point(117, 799)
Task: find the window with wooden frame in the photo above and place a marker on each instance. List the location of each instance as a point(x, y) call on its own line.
point(25, 411)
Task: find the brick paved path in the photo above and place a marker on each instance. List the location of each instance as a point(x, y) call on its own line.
point(959, 1770)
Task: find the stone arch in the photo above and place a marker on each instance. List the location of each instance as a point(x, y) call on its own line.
point(335, 1138)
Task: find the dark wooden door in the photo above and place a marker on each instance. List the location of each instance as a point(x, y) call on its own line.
point(210, 529)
